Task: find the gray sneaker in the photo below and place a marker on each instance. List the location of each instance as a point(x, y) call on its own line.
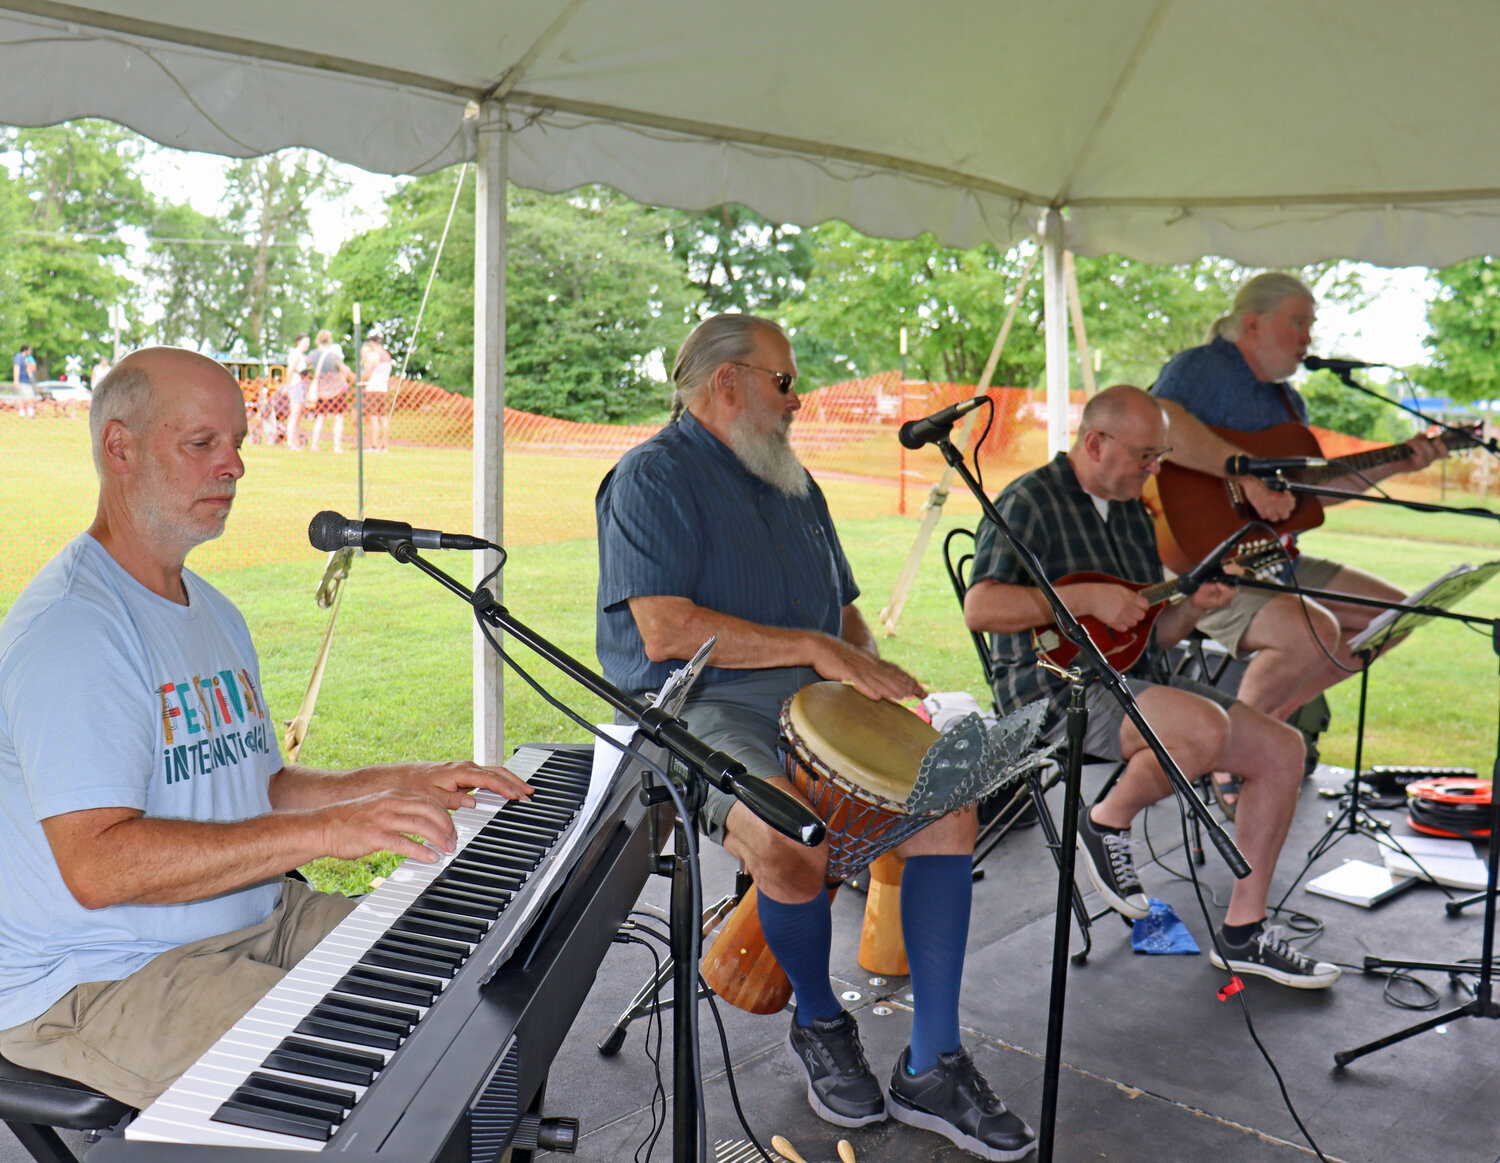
point(841, 1087)
point(1268, 954)
point(1111, 867)
point(953, 1100)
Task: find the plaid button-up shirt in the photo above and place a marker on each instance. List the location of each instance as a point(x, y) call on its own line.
point(1058, 521)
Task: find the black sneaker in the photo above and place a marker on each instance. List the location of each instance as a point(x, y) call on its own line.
point(1107, 857)
point(841, 1087)
point(953, 1100)
point(1267, 954)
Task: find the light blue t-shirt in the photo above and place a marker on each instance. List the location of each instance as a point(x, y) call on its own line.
point(111, 696)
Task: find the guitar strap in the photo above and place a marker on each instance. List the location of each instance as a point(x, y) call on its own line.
point(1286, 402)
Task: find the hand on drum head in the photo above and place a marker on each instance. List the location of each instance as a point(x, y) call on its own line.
point(869, 675)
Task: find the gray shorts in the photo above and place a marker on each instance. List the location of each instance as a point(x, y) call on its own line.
point(1228, 626)
point(132, 1038)
point(742, 717)
point(1101, 738)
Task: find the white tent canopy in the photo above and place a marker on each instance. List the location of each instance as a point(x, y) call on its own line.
point(1274, 133)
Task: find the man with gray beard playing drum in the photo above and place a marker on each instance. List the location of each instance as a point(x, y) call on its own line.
point(714, 527)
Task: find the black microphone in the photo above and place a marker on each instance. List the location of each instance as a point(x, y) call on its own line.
point(329, 531)
point(1209, 567)
point(1257, 466)
point(1315, 363)
point(916, 433)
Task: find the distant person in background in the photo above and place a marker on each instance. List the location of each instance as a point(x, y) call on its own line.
point(375, 371)
point(330, 384)
point(23, 375)
point(101, 369)
point(296, 391)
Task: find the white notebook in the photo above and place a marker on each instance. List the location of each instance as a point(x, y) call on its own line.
point(1450, 862)
point(1360, 883)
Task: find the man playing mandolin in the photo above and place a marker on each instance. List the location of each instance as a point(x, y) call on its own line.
point(1083, 512)
point(1237, 381)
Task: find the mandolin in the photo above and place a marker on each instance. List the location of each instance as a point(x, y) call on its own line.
point(1194, 511)
point(1123, 648)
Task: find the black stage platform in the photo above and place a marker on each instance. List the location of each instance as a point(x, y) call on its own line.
point(1156, 1068)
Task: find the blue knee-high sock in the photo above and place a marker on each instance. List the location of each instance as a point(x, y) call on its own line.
point(936, 892)
point(801, 936)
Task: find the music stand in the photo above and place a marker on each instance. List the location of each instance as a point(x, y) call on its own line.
point(1398, 619)
point(1482, 1004)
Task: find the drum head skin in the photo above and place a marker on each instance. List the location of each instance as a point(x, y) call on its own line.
point(877, 745)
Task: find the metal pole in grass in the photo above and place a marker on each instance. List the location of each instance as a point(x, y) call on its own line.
point(359, 415)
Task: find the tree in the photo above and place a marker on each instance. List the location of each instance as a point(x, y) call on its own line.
point(738, 261)
point(861, 291)
point(266, 200)
point(194, 265)
point(80, 187)
point(1333, 406)
point(593, 293)
point(1464, 320)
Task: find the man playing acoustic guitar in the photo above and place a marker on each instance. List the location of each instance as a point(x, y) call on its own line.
point(1237, 381)
point(1083, 512)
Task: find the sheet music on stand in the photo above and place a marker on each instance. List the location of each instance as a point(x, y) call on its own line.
point(609, 765)
point(1455, 585)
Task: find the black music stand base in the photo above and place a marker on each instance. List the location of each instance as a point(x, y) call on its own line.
point(1483, 1005)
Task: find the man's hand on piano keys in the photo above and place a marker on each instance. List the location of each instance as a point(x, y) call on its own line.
point(387, 822)
point(449, 784)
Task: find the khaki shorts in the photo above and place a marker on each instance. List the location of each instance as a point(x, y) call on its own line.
point(741, 717)
point(1228, 626)
point(132, 1038)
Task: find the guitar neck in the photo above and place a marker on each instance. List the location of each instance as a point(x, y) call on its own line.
point(1361, 462)
point(1358, 463)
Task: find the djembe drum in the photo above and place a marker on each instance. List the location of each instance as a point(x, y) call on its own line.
point(854, 761)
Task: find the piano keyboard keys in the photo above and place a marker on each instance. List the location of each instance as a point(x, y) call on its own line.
point(422, 948)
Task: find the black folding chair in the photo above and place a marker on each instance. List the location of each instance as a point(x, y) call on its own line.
point(958, 557)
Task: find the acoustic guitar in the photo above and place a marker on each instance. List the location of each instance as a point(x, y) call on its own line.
point(1194, 511)
point(1122, 648)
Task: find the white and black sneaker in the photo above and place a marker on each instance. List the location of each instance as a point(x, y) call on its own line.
point(1107, 857)
point(1268, 954)
point(953, 1100)
point(841, 1087)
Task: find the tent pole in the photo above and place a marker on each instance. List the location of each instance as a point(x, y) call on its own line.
point(1055, 325)
point(489, 409)
point(1080, 336)
point(932, 511)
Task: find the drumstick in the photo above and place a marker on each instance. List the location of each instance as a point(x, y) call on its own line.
point(786, 1150)
point(846, 1152)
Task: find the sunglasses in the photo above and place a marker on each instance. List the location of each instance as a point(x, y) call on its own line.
point(785, 381)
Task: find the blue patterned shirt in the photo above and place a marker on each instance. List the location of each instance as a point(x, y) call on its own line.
point(680, 516)
point(1214, 382)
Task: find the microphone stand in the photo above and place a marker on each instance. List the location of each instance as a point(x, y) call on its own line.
point(1490, 445)
point(1077, 716)
point(693, 765)
point(1358, 821)
point(1278, 483)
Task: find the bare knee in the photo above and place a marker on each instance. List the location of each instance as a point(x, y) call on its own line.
point(783, 869)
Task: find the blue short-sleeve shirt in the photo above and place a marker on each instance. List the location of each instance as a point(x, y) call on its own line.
point(680, 516)
point(1214, 382)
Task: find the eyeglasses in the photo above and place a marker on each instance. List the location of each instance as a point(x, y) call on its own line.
point(1144, 456)
point(785, 381)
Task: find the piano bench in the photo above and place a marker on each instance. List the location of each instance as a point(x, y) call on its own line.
point(33, 1103)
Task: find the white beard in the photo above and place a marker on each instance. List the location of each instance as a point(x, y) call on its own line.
point(769, 456)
